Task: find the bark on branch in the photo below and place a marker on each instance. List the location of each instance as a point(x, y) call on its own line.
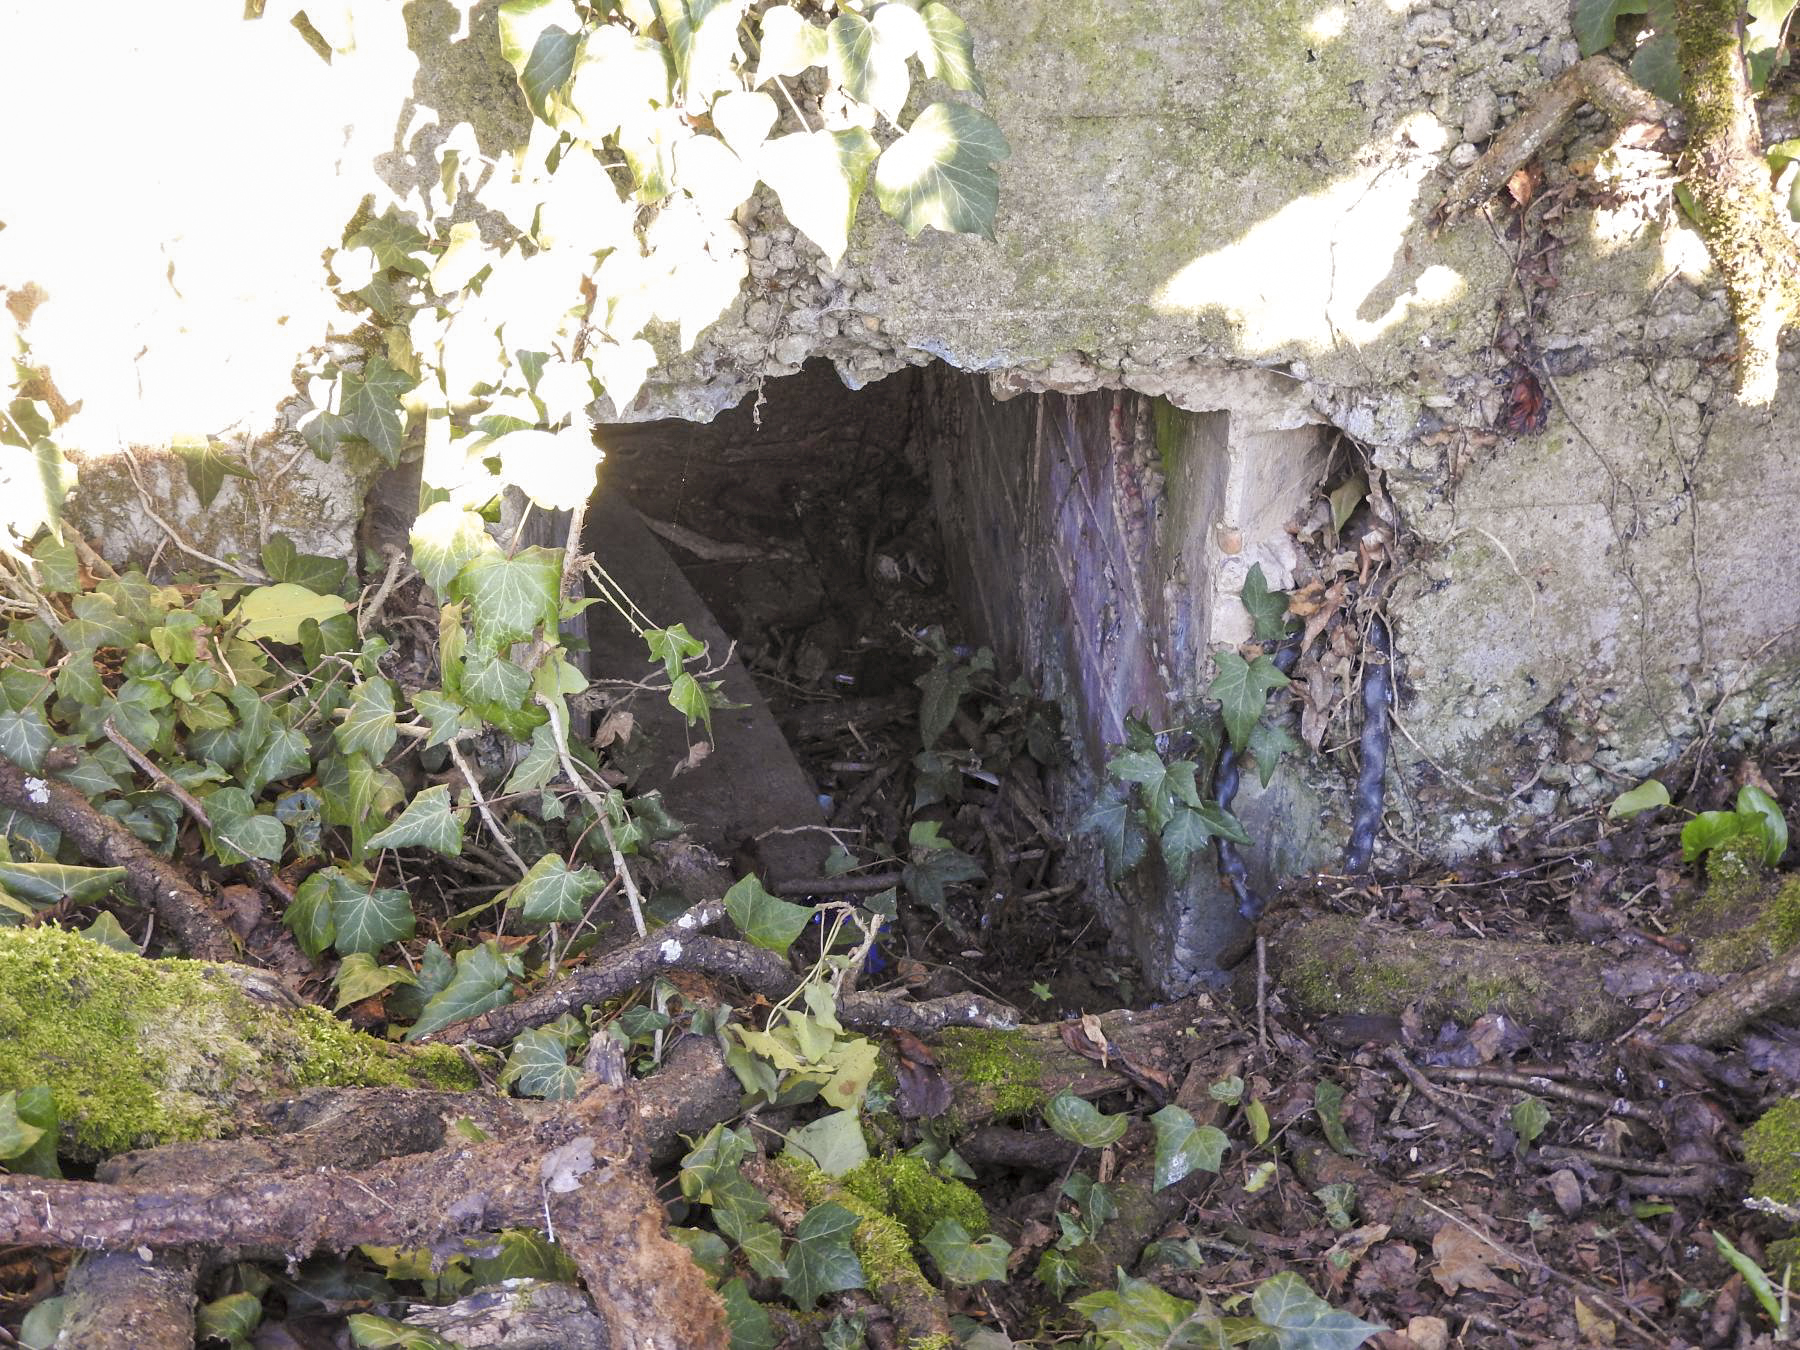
point(151, 881)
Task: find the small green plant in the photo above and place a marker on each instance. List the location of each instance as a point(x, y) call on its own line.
point(1757, 816)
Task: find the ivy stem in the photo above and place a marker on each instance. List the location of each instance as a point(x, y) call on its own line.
point(559, 737)
point(481, 805)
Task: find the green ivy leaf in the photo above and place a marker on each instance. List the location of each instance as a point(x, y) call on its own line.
point(751, 1326)
point(765, 920)
point(509, 597)
point(58, 566)
point(239, 833)
point(309, 915)
point(383, 1333)
point(17, 1135)
point(941, 173)
point(1123, 838)
point(367, 917)
point(207, 466)
point(369, 725)
point(523, 1255)
point(427, 822)
point(1141, 1316)
point(833, 1143)
point(445, 538)
point(283, 755)
point(1706, 831)
point(96, 622)
point(359, 976)
point(25, 738)
point(282, 561)
point(674, 646)
point(868, 63)
point(395, 241)
point(1300, 1319)
point(482, 981)
point(446, 717)
point(820, 1261)
point(962, 1261)
point(1646, 796)
point(1242, 688)
point(53, 883)
point(553, 468)
point(1530, 1118)
point(1268, 609)
point(275, 613)
point(35, 1109)
point(1328, 1102)
point(552, 892)
point(819, 176)
point(790, 45)
point(1081, 1122)
point(371, 405)
point(1597, 20)
point(949, 53)
point(1656, 65)
point(1183, 1147)
point(538, 1066)
point(1268, 743)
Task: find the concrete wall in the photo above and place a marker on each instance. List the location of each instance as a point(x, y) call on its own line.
point(1217, 201)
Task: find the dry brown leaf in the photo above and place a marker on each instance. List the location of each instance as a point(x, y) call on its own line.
point(1595, 1329)
point(1466, 1260)
point(617, 725)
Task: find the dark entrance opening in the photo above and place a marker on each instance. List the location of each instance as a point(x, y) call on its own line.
point(800, 531)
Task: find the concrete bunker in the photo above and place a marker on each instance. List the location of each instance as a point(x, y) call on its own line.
point(1095, 541)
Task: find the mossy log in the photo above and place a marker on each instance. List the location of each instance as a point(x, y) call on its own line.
point(139, 1052)
point(1342, 966)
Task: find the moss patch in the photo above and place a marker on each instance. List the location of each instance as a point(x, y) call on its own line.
point(1006, 1063)
point(1746, 915)
point(880, 1242)
point(908, 1188)
point(1772, 1152)
point(139, 1052)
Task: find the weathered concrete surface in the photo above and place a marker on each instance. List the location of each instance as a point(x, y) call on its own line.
point(1223, 203)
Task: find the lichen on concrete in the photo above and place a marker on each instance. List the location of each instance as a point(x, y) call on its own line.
point(138, 1052)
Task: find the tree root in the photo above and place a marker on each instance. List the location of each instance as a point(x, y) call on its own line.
point(1597, 80)
point(1726, 1011)
point(1724, 168)
point(880, 1243)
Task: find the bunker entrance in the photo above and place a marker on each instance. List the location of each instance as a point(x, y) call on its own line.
point(942, 608)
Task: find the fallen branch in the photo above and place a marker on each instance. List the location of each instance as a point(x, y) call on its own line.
point(1734, 1005)
point(579, 1172)
point(151, 881)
